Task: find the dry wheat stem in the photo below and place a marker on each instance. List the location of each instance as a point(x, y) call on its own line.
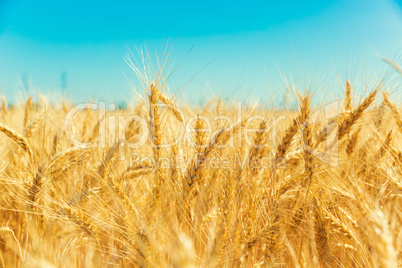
point(27, 110)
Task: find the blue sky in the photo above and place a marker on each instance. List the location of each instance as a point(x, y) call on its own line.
point(240, 44)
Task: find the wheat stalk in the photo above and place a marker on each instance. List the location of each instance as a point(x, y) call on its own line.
point(4, 106)
point(27, 110)
point(292, 130)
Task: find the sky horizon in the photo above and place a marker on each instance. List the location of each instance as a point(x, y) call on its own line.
point(235, 50)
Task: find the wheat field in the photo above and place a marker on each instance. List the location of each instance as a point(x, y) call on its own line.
point(162, 184)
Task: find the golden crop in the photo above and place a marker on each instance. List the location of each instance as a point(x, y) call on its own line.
point(168, 185)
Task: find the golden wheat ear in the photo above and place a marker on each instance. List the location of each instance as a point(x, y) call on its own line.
point(173, 107)
point(291, 131)
point(17, 138)
point(321, 234)
point(385, 146)
point(349, 120)
point(351, 145)
point(35, 185)
point(30, 129)
point(155, 121)
point(259, 148)
point(394, 109)
point(307, 144)
point(348, 97)
point(394, 65)
point(82, 221)
point(200, 142)
point(109, 158)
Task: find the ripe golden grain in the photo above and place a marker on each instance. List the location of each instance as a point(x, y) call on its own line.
point(209, 206)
